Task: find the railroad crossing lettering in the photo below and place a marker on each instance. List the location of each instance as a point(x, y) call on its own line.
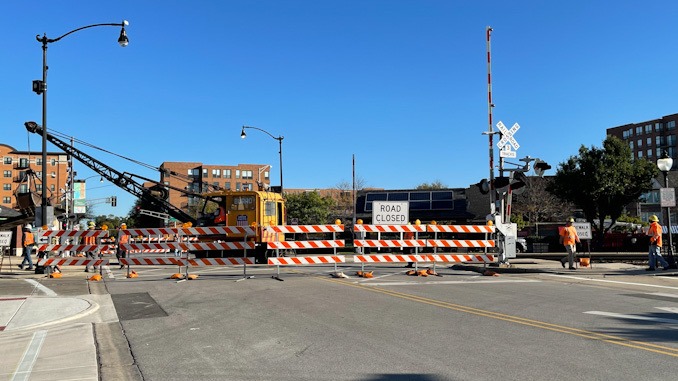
point(507, 137)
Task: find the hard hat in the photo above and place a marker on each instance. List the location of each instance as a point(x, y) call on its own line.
point(653, 218)
point(570, 219)
point(123, 225)
point(28, 226)
point(91, 224)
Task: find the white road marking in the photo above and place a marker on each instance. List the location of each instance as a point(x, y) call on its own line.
point(611, 281)
point(424, 283)
point(23, 371)
point(663, 294)
point(633, 317)
point(39, 286)
point(673, 310)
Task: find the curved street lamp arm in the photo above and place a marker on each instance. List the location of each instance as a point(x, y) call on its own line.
point(279, 138)
point(46, 40)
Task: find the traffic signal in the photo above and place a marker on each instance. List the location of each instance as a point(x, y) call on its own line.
point(39, 87)
point(114, 201)
point(540, 166)
point(483, 186)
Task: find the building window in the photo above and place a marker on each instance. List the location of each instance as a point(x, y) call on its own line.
point(649, 153)
point(266, 174)
point(659, 141)
point(246, 186)
point(216, 184)
point(53, 174)
point(671, 125)
point(658, 127)
point(649, 142)
point(671, 152)
point(648, 128)
point(23, 188)
point(38, 161)
point(640, 154)
point(658, 153)
point(227, 185)
point(631, 145)
point(639, 142)
point(38, 173)
point(23, 163)
point(53, 162)
point(8, 160)
point(216, 173)
point(237, 186)
point(6, 200)
point(237, 174)
point(227, 173)
point(7, 174)
point(195, 172)
point(205, 172)
point(51, 187)
point(38, 187)
point(671, 140)
point(247, 175)
point(639, 130)
point(7, 187)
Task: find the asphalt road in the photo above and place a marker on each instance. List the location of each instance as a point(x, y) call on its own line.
point(461, 326)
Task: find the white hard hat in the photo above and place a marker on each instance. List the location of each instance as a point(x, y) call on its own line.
point(28, 226)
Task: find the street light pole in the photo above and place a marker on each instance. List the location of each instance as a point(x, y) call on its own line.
point(279, 139)
point(40, 87)
point(664, 164)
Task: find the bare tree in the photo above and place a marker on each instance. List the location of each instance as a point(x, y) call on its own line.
point(537, 204)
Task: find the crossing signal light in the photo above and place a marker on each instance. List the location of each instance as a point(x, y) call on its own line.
point(540, 166)
point(39, 87)
point(483, 186)
point(519, 183)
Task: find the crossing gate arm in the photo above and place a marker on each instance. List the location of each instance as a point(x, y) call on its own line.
point(313, 260)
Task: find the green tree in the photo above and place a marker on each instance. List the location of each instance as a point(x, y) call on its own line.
point(602, 181)
point(437, 184)
point(309, 207)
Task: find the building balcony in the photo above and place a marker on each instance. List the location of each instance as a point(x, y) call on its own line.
point(21, 165)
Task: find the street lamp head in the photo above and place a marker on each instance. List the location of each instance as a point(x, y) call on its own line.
point(243, 135)
point(123, 40)
point(665, 163)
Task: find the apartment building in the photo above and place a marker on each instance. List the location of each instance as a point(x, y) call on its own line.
point(15, 165)
point(650, 138)
point(199, 177)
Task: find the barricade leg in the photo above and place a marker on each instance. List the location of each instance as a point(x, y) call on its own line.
point(277, 254)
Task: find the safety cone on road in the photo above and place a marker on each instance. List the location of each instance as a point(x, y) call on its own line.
point(490, 273)
point(96, 278)
point(132, 274)
point(55, 275)
point(339, 274)
point(177, 276)
point(192, 277)
point(368, 275)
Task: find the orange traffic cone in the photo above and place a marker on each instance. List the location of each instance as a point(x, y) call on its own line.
point(490, 273)
point(177, 276)
point(368, 275)
point(96, 278)
point(55, 275)
point(132, 274)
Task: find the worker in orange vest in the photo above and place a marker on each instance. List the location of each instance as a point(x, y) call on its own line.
point(28, 245)
point(122, 239)
point(655, 253)
point(569, 238)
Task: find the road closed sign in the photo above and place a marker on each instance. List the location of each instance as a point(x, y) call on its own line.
point(390, 212)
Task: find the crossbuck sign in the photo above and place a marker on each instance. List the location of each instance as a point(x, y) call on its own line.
point(507, 137)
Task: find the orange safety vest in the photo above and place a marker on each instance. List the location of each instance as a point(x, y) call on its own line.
point(569, 234)
point(90, 240)
point(655, 234)
point(124, 238)
point(28, 239)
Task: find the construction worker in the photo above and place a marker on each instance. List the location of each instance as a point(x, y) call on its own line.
point(92, 255)
point(28, 245)
point(655, 253)
point(569, 238)
point(122, 239)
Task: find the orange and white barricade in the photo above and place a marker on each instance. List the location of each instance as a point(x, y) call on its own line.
point(333, 244)
point(187, 240)
point(72, 262)
point(68, 241)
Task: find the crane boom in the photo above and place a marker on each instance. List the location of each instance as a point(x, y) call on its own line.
point(123, 180)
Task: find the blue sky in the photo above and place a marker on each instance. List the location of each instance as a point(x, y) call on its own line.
point(400, 84)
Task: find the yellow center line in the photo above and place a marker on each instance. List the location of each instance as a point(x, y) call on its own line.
point(509, 318)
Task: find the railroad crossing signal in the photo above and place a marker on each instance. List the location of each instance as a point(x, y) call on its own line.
point(507, 141)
